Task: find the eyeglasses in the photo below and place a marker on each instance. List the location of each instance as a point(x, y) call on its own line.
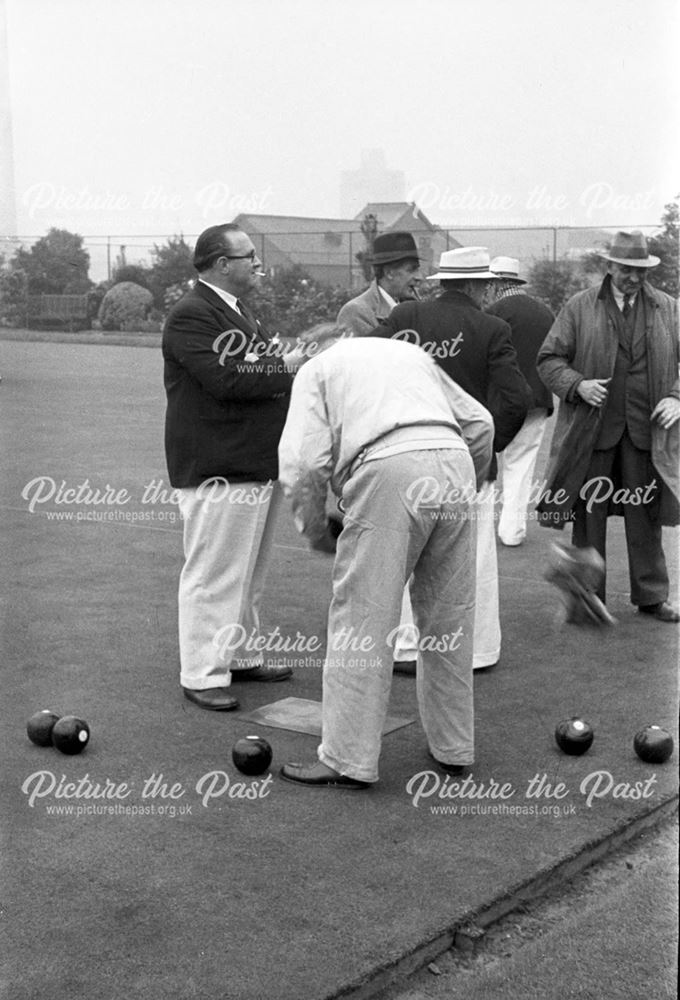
point(243, 256)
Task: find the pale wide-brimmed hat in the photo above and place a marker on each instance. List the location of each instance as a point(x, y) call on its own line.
point(630, 249)
point(507, 268)
point(462, 263)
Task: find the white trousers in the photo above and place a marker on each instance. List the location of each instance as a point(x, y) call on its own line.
point(517, 463)
point(487, 634)
point(228, 535)
point(383, 543)
point(487, 640)
point(406, 645)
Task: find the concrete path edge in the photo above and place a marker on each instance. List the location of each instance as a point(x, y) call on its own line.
point(464, 932)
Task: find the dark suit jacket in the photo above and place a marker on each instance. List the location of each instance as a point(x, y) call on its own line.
point(529, 322)
point(474, 349)
point(224, 414)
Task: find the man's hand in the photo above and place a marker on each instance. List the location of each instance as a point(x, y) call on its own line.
point(667, 411)
point(593, 390)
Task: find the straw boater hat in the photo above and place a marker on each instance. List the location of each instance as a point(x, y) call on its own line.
point(389, 248)
point(630, 249)
point(462, 263)
point(507, 268)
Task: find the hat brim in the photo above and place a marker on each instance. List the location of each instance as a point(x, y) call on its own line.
point(461, 276)
point(393, 258)
point(510, 277)
point(650, 261)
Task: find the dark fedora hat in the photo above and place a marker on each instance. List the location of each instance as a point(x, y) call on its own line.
point(631, 249)
point(388, 248)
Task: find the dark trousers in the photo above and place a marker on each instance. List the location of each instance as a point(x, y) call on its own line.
point(632, 470)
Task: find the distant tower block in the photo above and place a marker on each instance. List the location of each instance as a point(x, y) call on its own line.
point(8, 208)
point(370, 183)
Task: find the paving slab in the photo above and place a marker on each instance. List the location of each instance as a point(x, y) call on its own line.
point(147, 866)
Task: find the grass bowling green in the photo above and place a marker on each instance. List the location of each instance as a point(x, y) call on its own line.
point(178, 876)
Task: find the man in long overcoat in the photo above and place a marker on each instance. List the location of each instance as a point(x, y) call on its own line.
point(612, 358)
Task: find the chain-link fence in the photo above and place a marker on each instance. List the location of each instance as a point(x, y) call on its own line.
point(330, 255)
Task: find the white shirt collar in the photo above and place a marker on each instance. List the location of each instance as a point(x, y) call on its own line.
point(227, 297)
point(618, 296)
point(387, 297)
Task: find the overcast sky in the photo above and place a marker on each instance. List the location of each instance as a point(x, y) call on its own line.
point(161, 116)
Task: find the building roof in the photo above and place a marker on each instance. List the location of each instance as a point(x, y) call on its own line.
point(397, 214)
point(304, 240)
point(285, 224)
point(283, 240)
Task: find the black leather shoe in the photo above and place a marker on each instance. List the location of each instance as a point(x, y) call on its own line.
point(319, 776)
point(407, 667)
point(455, 769)
point(214, 699)
point(262, 673)
point(664, 611)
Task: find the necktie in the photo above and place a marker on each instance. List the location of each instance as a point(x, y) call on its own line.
point(626, 306)
point(248, 316)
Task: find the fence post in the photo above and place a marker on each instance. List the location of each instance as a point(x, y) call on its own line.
point(349, 262)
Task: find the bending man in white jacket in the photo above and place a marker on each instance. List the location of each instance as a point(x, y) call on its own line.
point(405, 448)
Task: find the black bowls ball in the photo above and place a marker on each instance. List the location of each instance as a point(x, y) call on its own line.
point(39, 727)
point(252, 755)
point(653, 745)
point(70, 735)
point(574, 736)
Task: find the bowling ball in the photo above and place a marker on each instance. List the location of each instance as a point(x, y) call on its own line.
point(574, 736)
point(70, 735)
point(39, 727)
point(252, 755)
point(653, 745)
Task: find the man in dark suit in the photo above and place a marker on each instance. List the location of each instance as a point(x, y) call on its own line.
point(529, 321)
point(227, 399)
point(476, 351)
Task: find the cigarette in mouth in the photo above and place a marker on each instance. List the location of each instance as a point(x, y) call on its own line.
point(261, 274)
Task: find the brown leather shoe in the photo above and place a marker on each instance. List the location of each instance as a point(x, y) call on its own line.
point(262, 673)
point(664, 611)
point(214, 699)
point(320, 776)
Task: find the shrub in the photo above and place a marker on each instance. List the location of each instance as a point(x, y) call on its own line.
point(173, 294)
point(172, 267)
point(555, 281)
point(136, 273)
point(125, 307)
point(291, 301)
point(665, 246)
